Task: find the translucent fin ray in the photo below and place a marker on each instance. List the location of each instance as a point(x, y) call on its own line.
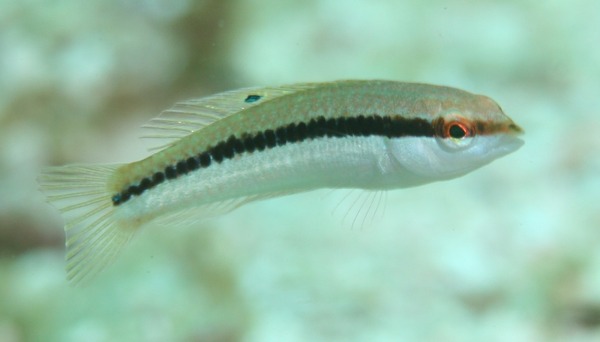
point(93, 235)
point(361, 208)
point(193, 215)
point(187, 117)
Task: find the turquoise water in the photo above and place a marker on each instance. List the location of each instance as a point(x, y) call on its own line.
point(507, 253)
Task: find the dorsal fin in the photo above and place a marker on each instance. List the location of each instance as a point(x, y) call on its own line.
point(187, 117)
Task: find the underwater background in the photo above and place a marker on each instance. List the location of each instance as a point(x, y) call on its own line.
point(510, 252)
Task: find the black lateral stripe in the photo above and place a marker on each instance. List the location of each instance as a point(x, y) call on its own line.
point(390, 127)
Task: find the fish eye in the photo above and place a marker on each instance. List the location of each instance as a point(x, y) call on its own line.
point(457, 128)
point(453, 130)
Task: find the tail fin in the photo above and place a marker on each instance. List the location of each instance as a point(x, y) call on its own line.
point(93, 236)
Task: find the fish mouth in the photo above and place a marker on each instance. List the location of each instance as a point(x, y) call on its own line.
point(515, 129)
point(510, 142)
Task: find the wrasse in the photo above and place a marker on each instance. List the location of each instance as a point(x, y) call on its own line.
point(235, 147)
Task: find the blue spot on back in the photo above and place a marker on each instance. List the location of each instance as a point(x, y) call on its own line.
point(252, 98)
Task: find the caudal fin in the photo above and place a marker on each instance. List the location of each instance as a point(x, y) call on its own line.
point(93, 236)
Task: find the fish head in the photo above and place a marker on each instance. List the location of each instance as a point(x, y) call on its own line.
point(465, 138)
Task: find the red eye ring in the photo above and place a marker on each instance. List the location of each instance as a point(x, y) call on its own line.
point(457, 129)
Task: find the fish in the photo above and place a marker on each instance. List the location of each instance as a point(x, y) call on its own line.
point(216, 153)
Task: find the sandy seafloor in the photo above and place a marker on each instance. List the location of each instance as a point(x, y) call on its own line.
point(510, 252)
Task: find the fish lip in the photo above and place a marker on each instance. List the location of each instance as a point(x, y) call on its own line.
point(510, 143)
point(515, 129)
